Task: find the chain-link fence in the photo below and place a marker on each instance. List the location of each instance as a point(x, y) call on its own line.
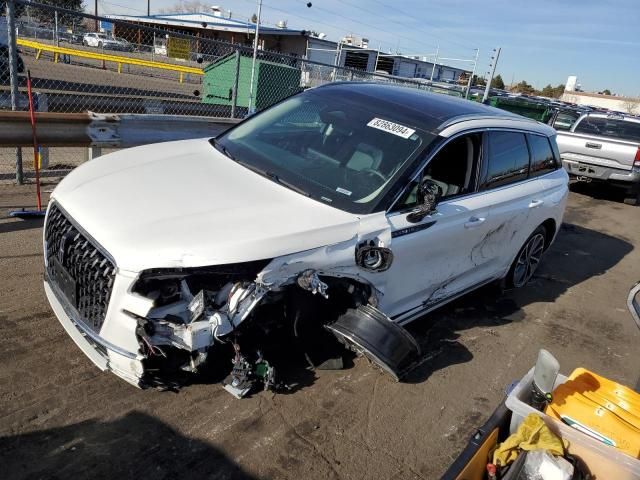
point(134, 67)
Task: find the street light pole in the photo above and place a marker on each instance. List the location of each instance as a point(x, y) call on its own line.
point(434, 63)
point(251, 108)
point(473, 72)
point(493, 71)
point(148, 8)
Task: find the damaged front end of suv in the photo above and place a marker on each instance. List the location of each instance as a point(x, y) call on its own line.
point(233, 315)
point(161, 326)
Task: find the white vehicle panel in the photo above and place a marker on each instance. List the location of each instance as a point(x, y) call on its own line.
point(219, 211)
point(424, 271)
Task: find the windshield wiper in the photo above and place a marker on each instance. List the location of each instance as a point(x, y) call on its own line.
point(221, 148)
point(284, 183)
point(264, 173)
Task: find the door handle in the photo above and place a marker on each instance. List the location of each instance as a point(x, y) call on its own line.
point(474, 222)
point(536, 203)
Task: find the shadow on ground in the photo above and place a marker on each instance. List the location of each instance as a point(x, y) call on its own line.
point(598, 190)
point(17, 225)
point(578, 254)
point(134, 446)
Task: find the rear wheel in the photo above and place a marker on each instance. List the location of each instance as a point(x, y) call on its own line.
point(527, 260)
point(632, 198)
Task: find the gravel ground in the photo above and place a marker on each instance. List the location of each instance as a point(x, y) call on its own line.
point(60, 417)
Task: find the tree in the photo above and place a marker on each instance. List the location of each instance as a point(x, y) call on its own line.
point(631, 106)
point(558, 91)
point(478, 81)
point(606, 91)
point(47, 16)
point(548, 91)
point(523, 87)
point(190, 6)
point(497, 82)
point(19, 9)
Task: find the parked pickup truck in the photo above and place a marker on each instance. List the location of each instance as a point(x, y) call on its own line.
point(604, 147)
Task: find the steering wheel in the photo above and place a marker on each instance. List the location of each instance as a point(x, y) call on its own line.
point(374, 173)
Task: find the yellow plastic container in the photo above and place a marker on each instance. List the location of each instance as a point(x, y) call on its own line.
point(600, 408)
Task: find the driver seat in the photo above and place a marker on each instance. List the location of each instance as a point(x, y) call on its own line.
point(365, 157)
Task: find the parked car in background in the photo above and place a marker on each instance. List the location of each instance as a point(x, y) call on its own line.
point(101, 40)
point(353, 206)
point(604, 147)
point(70, 37)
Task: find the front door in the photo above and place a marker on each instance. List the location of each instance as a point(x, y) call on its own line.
point(434, 258)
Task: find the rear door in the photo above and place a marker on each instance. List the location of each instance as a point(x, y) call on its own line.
point(519, 182)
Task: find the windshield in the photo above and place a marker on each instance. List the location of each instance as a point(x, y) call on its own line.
point(338, 149)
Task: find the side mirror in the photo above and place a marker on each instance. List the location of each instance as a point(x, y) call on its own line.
point(633, 302)
point(428, 195)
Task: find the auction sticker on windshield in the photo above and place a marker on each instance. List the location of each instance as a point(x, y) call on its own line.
point(390, 127)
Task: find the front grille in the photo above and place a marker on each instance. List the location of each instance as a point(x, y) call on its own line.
point(78, 268)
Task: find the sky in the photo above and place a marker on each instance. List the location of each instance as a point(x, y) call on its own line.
point(542, 41)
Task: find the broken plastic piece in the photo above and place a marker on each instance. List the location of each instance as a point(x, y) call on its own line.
point(238, 383)
point(369, 331)
point(245, 375)
point(309, 280)
point(197, 306)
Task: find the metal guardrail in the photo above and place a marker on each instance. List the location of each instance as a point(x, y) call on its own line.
point(40, 47)
point(98, 130)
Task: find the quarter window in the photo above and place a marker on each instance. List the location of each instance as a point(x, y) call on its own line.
point(508, 159)
point(565, 120)
point(542, 160)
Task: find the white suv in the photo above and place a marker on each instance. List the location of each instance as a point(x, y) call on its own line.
point(350, 208)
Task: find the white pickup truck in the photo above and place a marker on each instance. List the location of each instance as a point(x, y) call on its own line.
point(604, 147)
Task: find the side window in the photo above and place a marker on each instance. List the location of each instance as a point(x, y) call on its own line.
point(565, 120)
point(453, 168)
point(508, 159)
point(542, 160)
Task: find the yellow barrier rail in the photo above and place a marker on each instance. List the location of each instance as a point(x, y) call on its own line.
point(105, 57)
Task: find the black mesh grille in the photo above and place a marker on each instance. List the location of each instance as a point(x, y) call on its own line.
point(78, 268)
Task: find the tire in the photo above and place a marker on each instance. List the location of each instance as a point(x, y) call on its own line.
point(99, 44)
point(632, 199)
point(527, 260)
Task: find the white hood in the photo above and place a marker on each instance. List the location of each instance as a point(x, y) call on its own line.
point(184, 204)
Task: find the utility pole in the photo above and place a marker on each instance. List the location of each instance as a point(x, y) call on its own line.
point(434, 63)
point(56, 36)
point(95, 12)
point(13, 76)
point(148, 8)
point(473, 72)
point(251, 107)
point(493, 71)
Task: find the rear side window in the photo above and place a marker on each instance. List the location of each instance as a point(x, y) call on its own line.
point(610, 127)
point(565, 120)
point(542, 159)
point(508, 159)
